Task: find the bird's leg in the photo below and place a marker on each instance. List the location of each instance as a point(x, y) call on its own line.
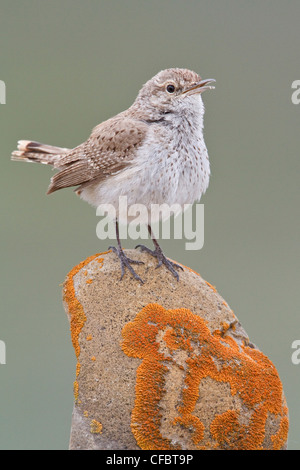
point(124, 260)
point(158, 254)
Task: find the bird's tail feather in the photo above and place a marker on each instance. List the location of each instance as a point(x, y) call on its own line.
point(30, 151)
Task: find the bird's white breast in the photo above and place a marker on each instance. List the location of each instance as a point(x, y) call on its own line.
point(171, 167)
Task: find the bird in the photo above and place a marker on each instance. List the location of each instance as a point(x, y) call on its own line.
point(152, 153)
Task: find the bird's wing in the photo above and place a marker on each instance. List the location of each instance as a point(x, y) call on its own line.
point(110, 148)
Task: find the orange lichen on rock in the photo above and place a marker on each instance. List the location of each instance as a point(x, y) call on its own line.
point(77, 315)
point(89, 281)
point(179, 342)
point(279, 438)
point(96, 427)
point(225, 327)
point(226, 429)
point(75, 388)
point(211, 286)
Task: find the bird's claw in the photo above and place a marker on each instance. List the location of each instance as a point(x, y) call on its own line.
point(126, 263)
point(162, 259)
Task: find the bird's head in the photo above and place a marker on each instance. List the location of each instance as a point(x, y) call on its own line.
point(175, 90)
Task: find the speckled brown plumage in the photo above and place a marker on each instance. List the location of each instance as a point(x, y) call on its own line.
point(152, 153)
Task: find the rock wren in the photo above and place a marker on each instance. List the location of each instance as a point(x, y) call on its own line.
point(153, 153)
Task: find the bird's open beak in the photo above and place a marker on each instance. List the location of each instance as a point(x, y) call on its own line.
point(200, 87)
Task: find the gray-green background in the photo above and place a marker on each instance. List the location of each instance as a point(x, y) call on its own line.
point(70, 64)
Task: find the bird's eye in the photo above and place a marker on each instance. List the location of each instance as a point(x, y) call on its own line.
point(170, 89)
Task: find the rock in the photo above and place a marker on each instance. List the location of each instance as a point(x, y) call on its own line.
point(165, 365)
